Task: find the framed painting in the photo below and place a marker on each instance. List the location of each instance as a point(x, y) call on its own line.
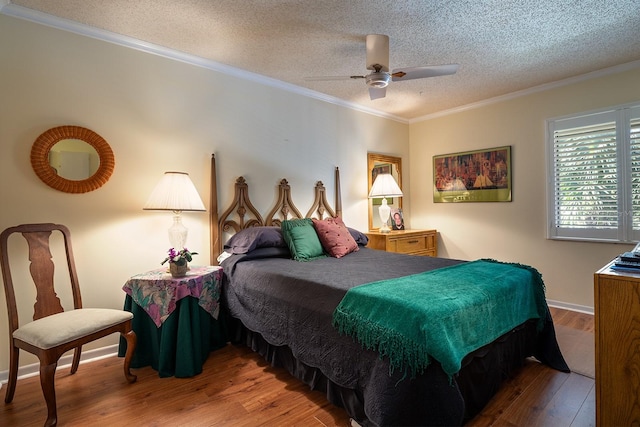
point(473, 176)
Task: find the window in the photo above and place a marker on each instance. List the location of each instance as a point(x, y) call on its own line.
point(594, 179)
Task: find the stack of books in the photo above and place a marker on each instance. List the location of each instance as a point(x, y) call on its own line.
point(628, 261)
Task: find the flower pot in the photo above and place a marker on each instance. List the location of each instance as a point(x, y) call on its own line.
point(178, 270)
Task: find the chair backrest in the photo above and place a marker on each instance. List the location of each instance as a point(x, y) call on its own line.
point(41, 268)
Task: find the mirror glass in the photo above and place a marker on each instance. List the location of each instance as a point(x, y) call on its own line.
point(382, 163)
point(72, 159)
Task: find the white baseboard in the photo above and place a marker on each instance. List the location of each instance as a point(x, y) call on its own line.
point(571, 307)
point(64, 362)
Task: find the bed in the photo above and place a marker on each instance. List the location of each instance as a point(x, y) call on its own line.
point(287, 311)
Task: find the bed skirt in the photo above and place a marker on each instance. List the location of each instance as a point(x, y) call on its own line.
point(430, 399)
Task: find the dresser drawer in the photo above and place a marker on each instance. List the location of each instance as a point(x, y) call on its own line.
point(410, 244)
point(413, 242)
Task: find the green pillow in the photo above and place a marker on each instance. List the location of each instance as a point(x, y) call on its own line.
point(302, 239)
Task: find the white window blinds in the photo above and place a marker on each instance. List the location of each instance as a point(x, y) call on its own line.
point(594, 184)
point(634, 138)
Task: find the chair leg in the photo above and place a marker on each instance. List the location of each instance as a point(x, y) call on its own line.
point(76, 359)
point(47, 382)
point(131, 347)
point(14, 355)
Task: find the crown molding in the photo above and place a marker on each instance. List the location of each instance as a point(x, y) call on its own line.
point(31, 15)
point(38, 17)
point(547, 86)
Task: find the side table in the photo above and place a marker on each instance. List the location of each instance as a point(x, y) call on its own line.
point(176, 320)
point(412, 242)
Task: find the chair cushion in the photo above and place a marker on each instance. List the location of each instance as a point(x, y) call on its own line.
point(67, 326)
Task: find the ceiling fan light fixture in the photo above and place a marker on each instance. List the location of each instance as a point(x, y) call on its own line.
point(378, 79)
point(380, 76)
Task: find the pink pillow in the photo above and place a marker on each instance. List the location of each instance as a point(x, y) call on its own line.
point(335, 237)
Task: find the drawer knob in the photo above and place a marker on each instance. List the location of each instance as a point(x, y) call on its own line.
point(413, 241)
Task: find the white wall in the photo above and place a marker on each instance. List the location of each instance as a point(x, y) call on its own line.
point(157, 115)
point(514, 231)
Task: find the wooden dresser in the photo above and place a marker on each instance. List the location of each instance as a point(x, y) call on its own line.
point(412, 242)
point(617, 344)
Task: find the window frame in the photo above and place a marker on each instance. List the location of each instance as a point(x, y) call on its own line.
point(621, 116)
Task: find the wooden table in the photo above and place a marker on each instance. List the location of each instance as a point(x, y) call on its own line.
point(412, 242)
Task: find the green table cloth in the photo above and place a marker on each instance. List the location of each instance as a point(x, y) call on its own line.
point(177, 341)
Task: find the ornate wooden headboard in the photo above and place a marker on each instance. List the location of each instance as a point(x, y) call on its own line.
point(242, 214)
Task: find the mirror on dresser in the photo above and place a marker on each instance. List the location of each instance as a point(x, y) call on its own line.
point(382, 163)
point(72, 159)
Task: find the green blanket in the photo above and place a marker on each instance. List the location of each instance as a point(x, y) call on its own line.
point(442, 314)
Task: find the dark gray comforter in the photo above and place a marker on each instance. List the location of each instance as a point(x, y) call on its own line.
point(291, 304)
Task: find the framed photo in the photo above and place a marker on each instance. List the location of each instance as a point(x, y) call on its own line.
point(397, 220)
point(473, 176)
point(378, 169)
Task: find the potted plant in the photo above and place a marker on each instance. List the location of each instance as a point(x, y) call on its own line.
point(179, 261)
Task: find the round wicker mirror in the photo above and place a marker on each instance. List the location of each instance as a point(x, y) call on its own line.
point(41, 166)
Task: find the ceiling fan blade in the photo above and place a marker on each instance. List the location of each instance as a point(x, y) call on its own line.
point(378, 52)
point(328, 78)
point(377, 92)
point(412, 73)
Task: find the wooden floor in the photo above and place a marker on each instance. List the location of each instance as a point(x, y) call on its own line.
point(237, 388)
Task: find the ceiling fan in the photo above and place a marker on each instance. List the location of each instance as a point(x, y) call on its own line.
point(378, 63)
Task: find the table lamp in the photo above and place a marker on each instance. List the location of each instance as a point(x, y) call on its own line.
point(175, 192)
point(384, 186)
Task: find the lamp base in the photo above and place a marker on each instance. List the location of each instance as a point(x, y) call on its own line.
point(385, 212)
point(177, 233)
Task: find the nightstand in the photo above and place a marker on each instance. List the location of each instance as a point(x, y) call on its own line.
point(412, 242)
point(175, 319)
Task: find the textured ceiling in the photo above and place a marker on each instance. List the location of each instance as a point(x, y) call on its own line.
point(502, 46)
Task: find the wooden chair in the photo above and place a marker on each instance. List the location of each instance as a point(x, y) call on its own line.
point(54, 331)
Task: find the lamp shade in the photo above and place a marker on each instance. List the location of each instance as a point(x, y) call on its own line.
point(175, 192)
point(385, 186)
